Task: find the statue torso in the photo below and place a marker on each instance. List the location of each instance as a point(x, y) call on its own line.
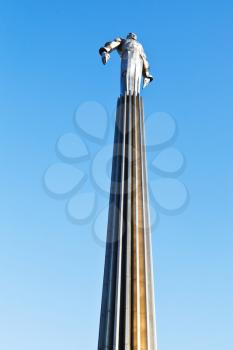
point(130, 49)
point(131, 65)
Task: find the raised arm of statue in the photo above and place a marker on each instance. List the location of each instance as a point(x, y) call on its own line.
point(109, 47)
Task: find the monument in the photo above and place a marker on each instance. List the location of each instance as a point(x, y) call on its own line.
point(127, 320)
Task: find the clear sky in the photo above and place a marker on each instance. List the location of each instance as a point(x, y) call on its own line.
point(51, 269)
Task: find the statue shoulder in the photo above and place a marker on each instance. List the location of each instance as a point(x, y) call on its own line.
point(116, 40)
point(120, 40)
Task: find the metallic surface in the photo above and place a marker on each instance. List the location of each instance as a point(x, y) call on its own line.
point(127, 319)
point(134, 63)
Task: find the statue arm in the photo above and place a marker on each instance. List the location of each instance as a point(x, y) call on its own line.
point(146, 70)
point(108, 48)
point(146, 66)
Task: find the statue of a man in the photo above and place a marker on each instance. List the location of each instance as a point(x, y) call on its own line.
point(134, 63)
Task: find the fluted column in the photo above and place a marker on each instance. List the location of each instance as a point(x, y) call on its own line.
point(127, 313)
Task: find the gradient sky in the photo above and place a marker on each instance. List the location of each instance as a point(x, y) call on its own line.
point(50, 269)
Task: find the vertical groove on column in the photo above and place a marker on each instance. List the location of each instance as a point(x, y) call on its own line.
point(141, 234)
point(149, 261)
point(145, 226)
point(109, 283)
point(128, 231)
point(122, 326)
point(133, 245)
point(136, 219)
point(145, 229)
point(121, 159)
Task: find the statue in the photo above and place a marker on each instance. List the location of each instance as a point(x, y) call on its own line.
point(134, 63)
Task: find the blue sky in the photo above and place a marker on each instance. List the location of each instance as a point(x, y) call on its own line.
point(51, 270)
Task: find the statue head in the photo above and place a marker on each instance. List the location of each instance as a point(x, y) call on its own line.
point(132, 36)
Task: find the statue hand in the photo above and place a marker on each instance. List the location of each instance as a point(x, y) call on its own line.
point(105, 57)
point(147, 79)
point(146, 82)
